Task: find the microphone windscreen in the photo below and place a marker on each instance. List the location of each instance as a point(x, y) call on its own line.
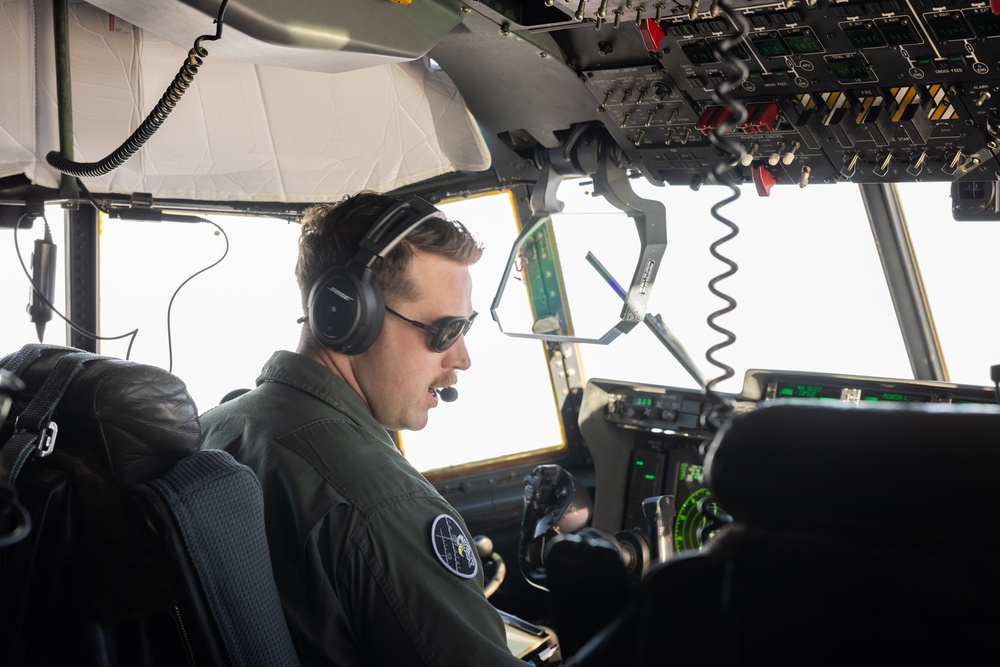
point(448, 394)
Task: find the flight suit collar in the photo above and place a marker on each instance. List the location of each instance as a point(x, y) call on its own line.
point(308, 375)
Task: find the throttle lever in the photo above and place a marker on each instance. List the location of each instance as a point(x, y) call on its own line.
point(659, 512)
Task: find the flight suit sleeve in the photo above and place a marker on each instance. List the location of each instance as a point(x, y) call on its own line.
point(416, 583)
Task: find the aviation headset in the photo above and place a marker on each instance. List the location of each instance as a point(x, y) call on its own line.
point(346, 305)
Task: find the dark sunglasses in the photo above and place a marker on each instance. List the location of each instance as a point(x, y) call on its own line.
point(445, 333)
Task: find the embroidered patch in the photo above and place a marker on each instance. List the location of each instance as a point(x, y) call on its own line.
point(453, 548)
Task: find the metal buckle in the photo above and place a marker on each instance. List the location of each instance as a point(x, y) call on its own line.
point(47, 439)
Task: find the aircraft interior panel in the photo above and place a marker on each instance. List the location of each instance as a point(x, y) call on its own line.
point(792, 93)
point(806, 93)
point(649, 444)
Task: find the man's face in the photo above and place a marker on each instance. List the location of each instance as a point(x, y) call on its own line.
point(398, 374)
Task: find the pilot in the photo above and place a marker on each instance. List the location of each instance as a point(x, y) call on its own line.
point(373, 565)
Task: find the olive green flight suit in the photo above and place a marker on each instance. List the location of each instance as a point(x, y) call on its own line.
point(373, 566)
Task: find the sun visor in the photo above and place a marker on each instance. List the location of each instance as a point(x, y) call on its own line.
point(17, 88)
point(241, 132)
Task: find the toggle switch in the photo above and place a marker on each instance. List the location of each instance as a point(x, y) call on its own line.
point(804, 176)
point(952, 165)
point(790, 155)
point(776, 155)
point(882, 168)
point(850, 167)
point(916, 164)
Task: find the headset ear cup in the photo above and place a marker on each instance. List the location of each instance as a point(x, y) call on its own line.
point(346, 310)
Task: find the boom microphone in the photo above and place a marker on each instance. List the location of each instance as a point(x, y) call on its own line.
point(448, 394)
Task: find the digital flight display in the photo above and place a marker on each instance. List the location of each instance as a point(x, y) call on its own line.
point(850, 69)
point(985, 23)
point(807, 391)
point(899, 33)
point(802, 41)
point(739, 51)
point(691, 525)
point(864, 37)
point(949, 27)
point(837, 392)
point(891, 396)
point(770, 46)
point(855, 390)
point(699, 54)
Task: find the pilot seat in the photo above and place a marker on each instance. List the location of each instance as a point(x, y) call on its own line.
point(129, 547)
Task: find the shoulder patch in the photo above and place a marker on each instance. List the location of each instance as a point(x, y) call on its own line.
point(453, 548)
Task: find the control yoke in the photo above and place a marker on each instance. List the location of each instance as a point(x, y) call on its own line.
point(555, 503)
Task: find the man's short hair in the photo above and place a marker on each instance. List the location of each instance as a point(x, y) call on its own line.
point(331, 234)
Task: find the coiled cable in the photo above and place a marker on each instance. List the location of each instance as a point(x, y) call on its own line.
point(152, 122)
point(732, 152)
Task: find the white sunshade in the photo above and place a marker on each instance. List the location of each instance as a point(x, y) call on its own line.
point(242, 132)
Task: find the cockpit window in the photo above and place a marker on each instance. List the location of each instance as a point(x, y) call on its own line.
point(224, 322)
point(958, 261)
point(506, 403)
point(808, 289)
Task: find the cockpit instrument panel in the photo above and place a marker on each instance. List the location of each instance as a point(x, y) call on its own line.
point(649, 441)
point(769, 385)
point(869, 91)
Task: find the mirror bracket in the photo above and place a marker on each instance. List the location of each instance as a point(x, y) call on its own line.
point(611, 181)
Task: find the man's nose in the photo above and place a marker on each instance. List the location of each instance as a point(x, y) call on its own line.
point(458, 355)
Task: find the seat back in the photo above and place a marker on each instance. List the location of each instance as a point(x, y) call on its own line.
point(142, 550)
point(858, 534)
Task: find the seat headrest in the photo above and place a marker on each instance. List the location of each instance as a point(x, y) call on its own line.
point(789, 464)
point(139, 419)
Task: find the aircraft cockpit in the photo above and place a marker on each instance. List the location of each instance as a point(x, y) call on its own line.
point(736, 361)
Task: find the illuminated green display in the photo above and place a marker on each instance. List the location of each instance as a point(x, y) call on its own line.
point(770, 46)
point(864, 37)
point(985, 23)
point(949, 28)
point(642, 401)
point(887, 396)
point(689, 473)
point(739, 52)
point(804, 42)
point(699, 54)
point(897, 33)
point(852, 68)
point(802, 391)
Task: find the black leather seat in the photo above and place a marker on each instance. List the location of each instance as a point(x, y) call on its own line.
point(860, 535)
point(143, 550)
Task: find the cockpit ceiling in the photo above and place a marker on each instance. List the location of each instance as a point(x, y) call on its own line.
point(369, 118)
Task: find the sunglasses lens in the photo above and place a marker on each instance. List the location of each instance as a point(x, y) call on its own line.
point(449, 332)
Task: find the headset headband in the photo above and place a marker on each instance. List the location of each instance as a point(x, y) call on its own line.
point(346, 306)
point(403, 217)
